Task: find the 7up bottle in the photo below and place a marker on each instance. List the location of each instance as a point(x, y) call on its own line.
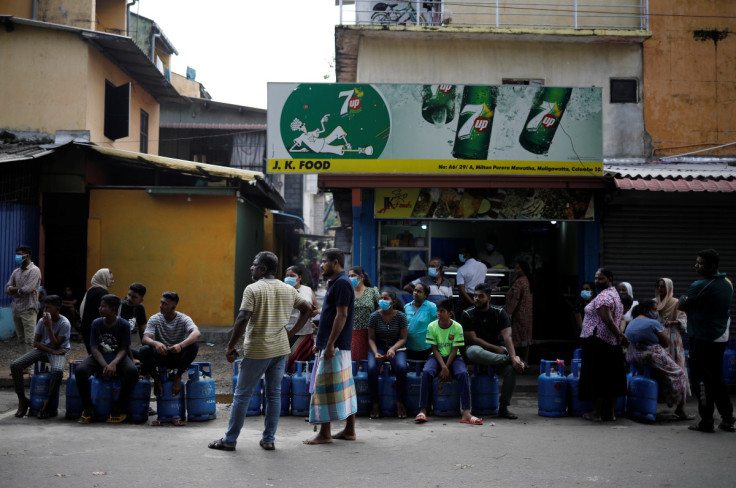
point(473, 134)
point(544, 118)
point(438, 103)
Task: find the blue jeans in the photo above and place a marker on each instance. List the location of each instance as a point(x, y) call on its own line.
point(398, 367)
point(251, 371)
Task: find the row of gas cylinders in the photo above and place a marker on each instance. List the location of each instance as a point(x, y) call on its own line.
point(558, 395)
point(196, 401)
point(445, 397)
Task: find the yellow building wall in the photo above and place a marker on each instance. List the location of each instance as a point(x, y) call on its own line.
point(186, 88)
point(42, 80)
point(77, 13)
point(111, 16)
point(169, 244)
point(17, 8)
point(689, 83)
point(100, 69)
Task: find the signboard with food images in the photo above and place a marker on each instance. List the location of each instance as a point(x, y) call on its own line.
point(361, 128)
point(484, 204)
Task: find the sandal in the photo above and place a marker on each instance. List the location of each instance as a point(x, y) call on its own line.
point(220, 446)
point(472, 421)
point(156, 423)
point(421, 418)
point(86, 417)
point(698, 428)
point(23, 409)
point(727, 426)
point(268, 447)
point(588, 416)
point(116, 419)
point(505, 414)
point(678, 417)
point(178, 422)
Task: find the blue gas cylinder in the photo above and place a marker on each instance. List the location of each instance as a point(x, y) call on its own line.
point(362, 389)
point(170, 407)
point(73, 400)
point(413, 385)
point(577, 354)
point(575, 406)
point(40, 384)
point(642, 397)
point(200, 393)
point(139, 400)
point(729, 363)
point(483, 391)
point(552, 389)
point(285, 395)
point(445, 398)
point(104, 393)
point(300, 396)
point(387, 392)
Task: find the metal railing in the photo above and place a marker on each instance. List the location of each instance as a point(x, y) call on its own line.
point(554, 14)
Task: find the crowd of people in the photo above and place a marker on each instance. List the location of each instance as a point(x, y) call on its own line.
point(280, 322)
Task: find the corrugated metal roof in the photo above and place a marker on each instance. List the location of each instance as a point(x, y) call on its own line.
point(180, 165)
point(205, 125)
point(21, 152)
point(671, 170)
point(676, 184)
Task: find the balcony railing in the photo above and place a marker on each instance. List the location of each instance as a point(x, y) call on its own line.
point(549, 14)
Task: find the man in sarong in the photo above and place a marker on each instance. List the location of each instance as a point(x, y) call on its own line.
point(332, 385)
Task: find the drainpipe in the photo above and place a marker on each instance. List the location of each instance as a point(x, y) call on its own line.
point(35, 9)
point(155, 33)
point(127, 15)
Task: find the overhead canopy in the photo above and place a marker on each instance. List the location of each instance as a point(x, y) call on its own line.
point(180, 165)
point(671, 177)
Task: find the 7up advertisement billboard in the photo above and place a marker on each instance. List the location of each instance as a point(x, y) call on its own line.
point(359, 128)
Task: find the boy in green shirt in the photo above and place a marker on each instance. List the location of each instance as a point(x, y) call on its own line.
point(446, 337)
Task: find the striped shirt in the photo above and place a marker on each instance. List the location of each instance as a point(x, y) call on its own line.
point(29, 279)
point(271, 302)
point(387, 334)
point(170, 333)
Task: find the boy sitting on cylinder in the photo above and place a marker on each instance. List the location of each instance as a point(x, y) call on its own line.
point(446, 337)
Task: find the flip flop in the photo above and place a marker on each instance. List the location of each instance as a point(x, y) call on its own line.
point(177, 422)
point(219, 445)
point(587, 416)
point(23, 410)
point(421, 418)
point(507, 415)
point(676, 417)
point(116, 419)
point(472, 421)
point(727, 426)
point(268, 447)
point(156, 423)
point(698, 428)
point(86, 417)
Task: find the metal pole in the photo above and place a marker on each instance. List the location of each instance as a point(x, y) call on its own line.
point(340, 12)
point(496, 13)
point(576, 14)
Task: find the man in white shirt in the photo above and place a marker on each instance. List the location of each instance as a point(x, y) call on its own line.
point(470, 274)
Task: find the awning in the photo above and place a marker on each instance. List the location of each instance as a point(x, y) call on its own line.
point(675, 184)
point(187, 167)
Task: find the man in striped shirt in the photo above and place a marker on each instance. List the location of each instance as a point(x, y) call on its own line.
point(170, 340)
point(23, 286)
point(264, 313)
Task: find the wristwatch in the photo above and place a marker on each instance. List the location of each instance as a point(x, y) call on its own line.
point(19, 291)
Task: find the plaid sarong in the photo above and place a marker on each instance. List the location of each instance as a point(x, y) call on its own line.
point(333, 393)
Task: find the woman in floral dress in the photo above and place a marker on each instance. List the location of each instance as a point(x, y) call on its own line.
point(674, 321)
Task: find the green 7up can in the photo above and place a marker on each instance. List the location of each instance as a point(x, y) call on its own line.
point(473, 134)
point(544, 118)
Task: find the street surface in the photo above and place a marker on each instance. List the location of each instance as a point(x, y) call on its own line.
point(529, 452)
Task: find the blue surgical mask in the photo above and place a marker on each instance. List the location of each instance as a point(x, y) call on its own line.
point(653, 315)
point(354, 281)
point(490, 247)
point(585, 294)
point(433, 272)
point(18, 259)
point(384, 304)
point(290, 280)
point(461, 258)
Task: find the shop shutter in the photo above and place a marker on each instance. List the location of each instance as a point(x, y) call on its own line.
point(647, 235)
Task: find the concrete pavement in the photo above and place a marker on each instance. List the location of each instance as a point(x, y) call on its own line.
point(531, 451)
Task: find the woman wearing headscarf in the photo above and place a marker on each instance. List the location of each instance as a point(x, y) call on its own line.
point(90, 308)
point(624, 288)
point(674, 321)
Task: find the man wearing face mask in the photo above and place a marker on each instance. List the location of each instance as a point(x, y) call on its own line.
point(438, 286)
point(23, 286)
point(469, 275)
point(490, 256)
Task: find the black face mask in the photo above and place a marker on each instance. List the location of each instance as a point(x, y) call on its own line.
point(600, 287)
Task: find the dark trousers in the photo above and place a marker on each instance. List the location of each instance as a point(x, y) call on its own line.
point(706, 381)
point(459, 372)
point(126, 372)
point(398, 367)
point(151, 360)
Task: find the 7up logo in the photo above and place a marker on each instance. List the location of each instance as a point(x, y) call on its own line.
point(547, 117)
point(354, 103)
point(445, 88)
point(477, 121)
point(481, 124)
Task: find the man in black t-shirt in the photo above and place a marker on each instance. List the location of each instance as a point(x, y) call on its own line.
point(488, 333)
point(132, 310)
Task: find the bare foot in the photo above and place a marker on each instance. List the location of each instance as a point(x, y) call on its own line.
point(157, 389)
point(400, 410)
point(176, 386)
point(318, 439)
point(346, 436)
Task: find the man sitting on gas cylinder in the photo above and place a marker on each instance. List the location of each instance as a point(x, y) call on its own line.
point(170, 340)
point(486, 328)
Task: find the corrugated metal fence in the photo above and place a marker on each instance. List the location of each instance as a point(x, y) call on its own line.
point(19, 224)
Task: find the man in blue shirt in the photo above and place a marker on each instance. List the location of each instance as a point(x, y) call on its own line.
point(333, 396)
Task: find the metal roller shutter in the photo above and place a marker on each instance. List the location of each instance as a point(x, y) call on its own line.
point(647, 235)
